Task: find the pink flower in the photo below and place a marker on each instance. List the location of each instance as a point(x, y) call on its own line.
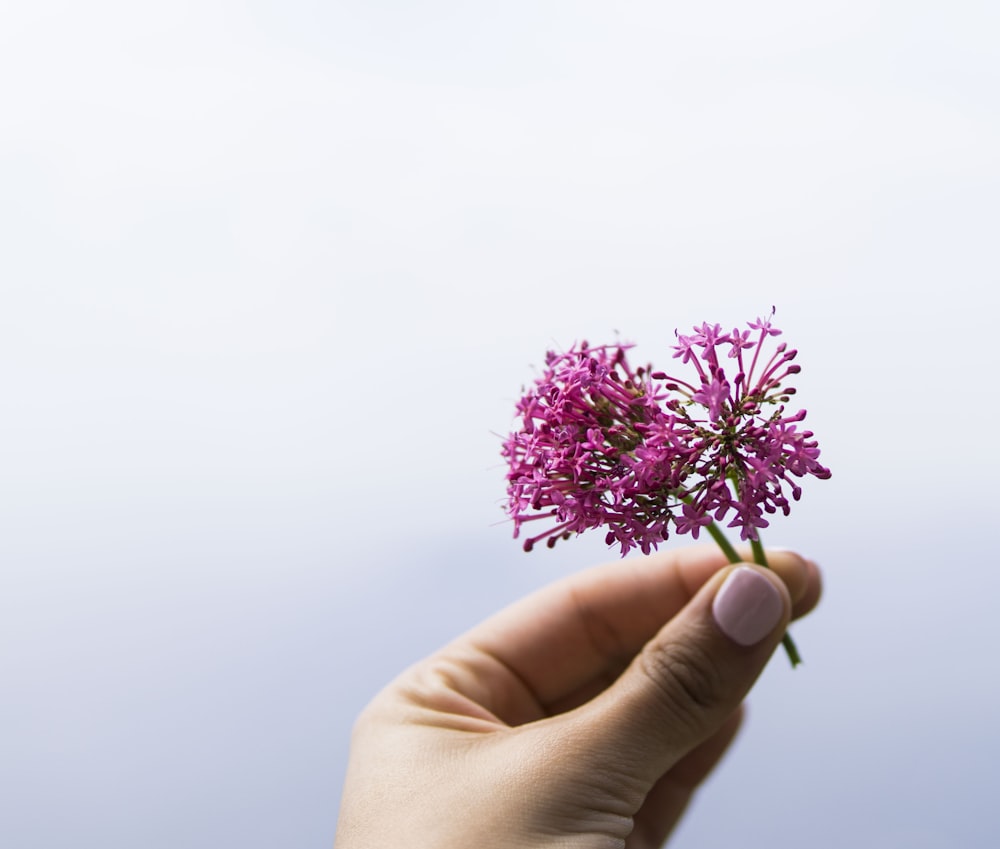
point(601, 444)
point(713, 394)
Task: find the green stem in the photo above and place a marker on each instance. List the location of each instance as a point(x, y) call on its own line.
point(724, 544)
point(761, 560)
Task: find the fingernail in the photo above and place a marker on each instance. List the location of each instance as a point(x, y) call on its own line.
point(747, 606)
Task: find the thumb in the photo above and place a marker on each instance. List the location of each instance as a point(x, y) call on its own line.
point(689, 679)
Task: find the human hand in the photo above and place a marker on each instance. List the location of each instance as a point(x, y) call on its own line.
point(582, 716)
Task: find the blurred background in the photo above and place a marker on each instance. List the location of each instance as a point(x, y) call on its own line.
point(273, 275)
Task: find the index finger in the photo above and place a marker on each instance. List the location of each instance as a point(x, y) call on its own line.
point(569, 640)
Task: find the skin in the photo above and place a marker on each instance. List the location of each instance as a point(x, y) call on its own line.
point(582, 716)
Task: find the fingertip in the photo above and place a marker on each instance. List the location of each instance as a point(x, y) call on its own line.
point(813, 591)
point(793, 569)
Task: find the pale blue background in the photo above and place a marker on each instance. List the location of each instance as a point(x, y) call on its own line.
point(272, 275)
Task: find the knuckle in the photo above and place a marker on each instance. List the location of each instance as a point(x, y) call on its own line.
point(686, 682)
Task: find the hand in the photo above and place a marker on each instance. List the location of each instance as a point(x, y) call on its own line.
point(582, 716)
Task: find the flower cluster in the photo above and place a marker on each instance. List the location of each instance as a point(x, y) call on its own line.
point(636, 451)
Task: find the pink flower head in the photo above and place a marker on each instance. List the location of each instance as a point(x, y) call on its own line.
point(601, 444)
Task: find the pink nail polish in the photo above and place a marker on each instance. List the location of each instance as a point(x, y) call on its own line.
point(747, 607)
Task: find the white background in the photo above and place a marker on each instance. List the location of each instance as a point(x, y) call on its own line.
point(272, 276)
